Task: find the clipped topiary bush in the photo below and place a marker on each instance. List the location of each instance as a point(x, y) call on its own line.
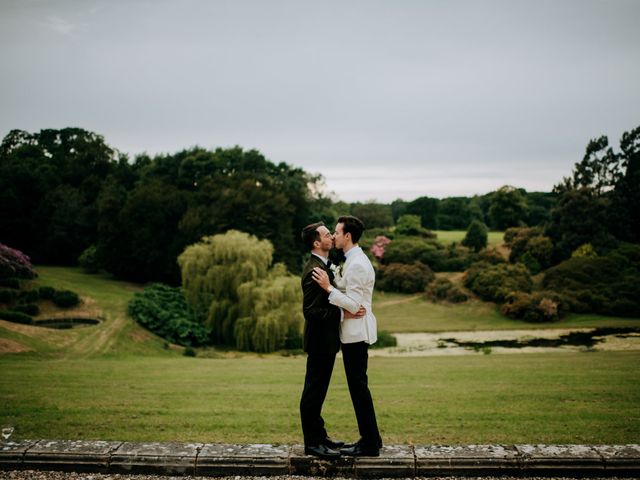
point(66, 298)
point(10, 282)
point(30, 309)
point(46, 293)
point(403, 278)
point(14, 263)
point(7, 295)
point(16, 317)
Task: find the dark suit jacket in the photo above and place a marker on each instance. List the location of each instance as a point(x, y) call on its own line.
point(321, 319)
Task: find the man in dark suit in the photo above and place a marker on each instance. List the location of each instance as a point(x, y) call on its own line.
point(321, 342)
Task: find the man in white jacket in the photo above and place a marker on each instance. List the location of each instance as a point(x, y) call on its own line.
point(355, 290)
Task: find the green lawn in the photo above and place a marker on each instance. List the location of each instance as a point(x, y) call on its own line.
point(532, 398)
point(413, 313)
point(117, 381)
point(450, 236)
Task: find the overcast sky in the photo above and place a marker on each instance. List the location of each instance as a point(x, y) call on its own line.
point(387, 99)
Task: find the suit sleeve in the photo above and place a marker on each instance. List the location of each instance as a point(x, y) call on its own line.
point(351, 300)
point(311, 310)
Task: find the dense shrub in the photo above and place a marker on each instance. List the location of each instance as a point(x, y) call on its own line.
point(7, 295)
point(412, 225)
point(444, 289)
point(28, 296)
point(10, 282)
point(491, 255)
point(400, 277)
point(28, 308)
point(385, 339)
point(66, 298)
point(407, 250)
point(14, 263)
point(163, 310)
point(46, 292)
point(608, 285)
point(495, 282)
point(477, 236)
point(530, 247)
point(16, 317)
point(585, 250)
point(89, 260)
point(537, 307)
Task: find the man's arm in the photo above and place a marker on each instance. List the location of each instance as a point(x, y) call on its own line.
point(354, 279)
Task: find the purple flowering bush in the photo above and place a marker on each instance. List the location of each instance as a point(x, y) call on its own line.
point(14, 263)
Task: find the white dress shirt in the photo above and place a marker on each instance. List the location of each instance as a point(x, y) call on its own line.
point(355, 289)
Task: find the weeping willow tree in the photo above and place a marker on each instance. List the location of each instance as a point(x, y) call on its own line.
point(270, 313)
point(230, 286)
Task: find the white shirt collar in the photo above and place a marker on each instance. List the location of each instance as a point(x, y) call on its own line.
point(324, 260)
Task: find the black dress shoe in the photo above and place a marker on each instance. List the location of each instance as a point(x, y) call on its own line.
point(359, 450)
point(321, 451)
point(333, 444)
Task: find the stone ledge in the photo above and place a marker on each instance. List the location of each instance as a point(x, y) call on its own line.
point(270, 460)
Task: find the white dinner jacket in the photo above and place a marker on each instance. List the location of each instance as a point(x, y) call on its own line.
point(355, 288)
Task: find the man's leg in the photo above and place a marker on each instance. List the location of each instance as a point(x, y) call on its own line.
point(355, 357)
point(316, 384)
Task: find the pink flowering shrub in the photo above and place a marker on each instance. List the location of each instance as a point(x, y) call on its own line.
point(378, 246)
point(14, 263)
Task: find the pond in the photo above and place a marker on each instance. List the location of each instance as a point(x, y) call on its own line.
point(66, 323)
point(512, 341)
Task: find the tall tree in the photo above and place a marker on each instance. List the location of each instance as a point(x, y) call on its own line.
point(508, 208)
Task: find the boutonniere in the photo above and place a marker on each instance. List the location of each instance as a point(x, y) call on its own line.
point(337, 269)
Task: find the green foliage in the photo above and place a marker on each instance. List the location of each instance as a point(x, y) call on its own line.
point(609, 285)
point(585, 250)
point(404, 278)
point(270, 313)
point(529, 247)
point(374, 215)
point(10, 282)
point(189, 352)
point(430, 252)
point(163, 310)
point(385, 339)
point(427, 209)
point(495, 282)
point(443, 289)
point(231, 288)
point(46, 292)
point(535, 308)
point(410, 225)
point(89, 260)
point(7, 295)
point(16, 317)
point(30, 309)
point(66, 298)
point(476, 237)
point(508, 208)
point(27, 296)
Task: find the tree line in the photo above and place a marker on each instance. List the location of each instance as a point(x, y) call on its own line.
point(67, 192)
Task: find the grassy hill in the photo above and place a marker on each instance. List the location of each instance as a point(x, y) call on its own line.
point(116, 381)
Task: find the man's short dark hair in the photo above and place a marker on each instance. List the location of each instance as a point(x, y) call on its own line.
point(352, 225)
point(310, 234)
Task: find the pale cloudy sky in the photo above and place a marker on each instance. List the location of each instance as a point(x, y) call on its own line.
point(387, 99)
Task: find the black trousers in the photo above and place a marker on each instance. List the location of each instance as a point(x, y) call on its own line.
point(356, 358)
point(316, 384)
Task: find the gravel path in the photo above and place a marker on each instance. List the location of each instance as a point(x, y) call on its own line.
point(43, 475)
